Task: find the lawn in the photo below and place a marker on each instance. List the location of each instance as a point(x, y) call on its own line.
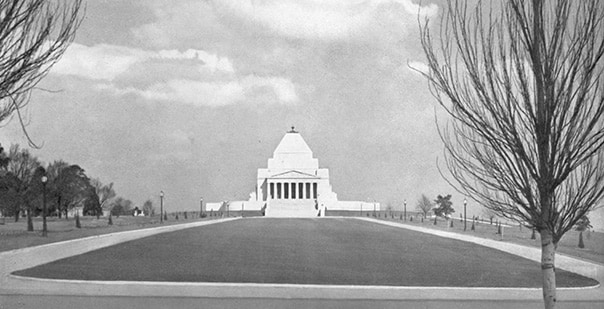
point(14, 235)
point(594, 241)
point(304, 251)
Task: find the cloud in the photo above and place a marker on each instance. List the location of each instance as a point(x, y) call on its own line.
point(106, 62)
point(320, 19)
point(122, 70)
point(217, 93)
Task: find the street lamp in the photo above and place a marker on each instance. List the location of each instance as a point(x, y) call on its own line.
point(464, 214)
point(200, 206)
point(161, 206)
point(405, 209)
point(44, 227)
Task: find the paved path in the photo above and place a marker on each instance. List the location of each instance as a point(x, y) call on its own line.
point(20, 292)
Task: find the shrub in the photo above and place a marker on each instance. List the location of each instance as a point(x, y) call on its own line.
point(411, 218)
point(401, 216)
point(367, 214)
point(452, 223)
point(434, 220)
point(473, 228)
point(203, 215)
point(176, 216)
point(165, 216)
point(185, 215)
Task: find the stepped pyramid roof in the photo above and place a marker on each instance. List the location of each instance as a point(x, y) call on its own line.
point(292, 143)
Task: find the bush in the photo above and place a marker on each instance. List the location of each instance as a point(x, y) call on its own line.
point(434, 220)
point(165, 216)
point(411, 218)
point(78, 225)
point(185, 214)
point(401, 216)
point(473, 228)
point(176, 216)
point(203, 215)
point(110, 222)
point(367, 214)
point(452, 223)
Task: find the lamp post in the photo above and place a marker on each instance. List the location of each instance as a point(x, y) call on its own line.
point(44, 227)
point(405, 210)
point(200, 206)
point(464, 214)
point(161, 206)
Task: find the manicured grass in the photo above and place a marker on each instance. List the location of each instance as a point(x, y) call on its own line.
point(304, 251)
point(14, 235)
point(594, 241)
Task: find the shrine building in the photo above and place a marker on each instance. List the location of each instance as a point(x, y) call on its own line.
point(293, 185)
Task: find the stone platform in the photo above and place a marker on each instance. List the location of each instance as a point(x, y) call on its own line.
point(291, 209)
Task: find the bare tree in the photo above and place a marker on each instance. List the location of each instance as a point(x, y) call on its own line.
point(148, 208)
point(524, 92)
point(34, 34)
point(424, 205)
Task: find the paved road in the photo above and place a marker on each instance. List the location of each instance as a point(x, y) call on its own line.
point(18, 292)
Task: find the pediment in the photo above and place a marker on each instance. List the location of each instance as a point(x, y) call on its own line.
point(294, 174)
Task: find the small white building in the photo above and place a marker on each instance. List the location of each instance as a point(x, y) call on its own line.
point(293, 185)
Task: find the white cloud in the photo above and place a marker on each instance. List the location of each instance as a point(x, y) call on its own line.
point(283, 88)
point(106, 62)
point(331, 19)
point(216, 93)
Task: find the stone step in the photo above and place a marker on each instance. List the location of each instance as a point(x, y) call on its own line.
point(291, 209)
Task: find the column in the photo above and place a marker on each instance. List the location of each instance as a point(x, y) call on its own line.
point(286, 190)
point(300, 193)
point(314, 190)
point(294, 188)
point(278, 190)
point(271, 190)
point(308, 195)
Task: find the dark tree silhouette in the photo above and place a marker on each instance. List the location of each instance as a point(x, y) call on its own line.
point(524, 92)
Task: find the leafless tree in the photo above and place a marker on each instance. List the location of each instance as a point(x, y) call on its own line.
point(424, 204)
point(34, 34)
point(522, 84)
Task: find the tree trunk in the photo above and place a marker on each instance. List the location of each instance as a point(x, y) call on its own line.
point(548, 269)
point(17, 216)
point(581, 244)
point(30, 223)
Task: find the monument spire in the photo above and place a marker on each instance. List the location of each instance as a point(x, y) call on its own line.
point(293, 130)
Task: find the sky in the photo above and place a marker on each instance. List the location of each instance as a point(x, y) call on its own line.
point(191, 97)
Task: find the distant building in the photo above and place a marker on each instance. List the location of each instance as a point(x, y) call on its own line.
point(293, 185)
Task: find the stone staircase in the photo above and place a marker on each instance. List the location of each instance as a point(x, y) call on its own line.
point(291, 209)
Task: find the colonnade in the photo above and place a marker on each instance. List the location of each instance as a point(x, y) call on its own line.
point(292, 190)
